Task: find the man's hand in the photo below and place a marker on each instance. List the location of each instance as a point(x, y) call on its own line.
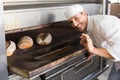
point(86, 41)
point(91, 55)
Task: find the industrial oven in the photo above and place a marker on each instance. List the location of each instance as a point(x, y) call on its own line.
point(64, 58)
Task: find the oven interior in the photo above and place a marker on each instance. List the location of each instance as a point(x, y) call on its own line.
point(63, 59)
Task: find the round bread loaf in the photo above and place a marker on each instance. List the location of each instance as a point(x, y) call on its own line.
point(25, 42)
point(10, 47)
point(7, 44)
point(44, 38)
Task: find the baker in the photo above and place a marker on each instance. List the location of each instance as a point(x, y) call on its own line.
point(103, 31)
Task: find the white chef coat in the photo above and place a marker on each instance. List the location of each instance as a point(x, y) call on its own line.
point(105, 32)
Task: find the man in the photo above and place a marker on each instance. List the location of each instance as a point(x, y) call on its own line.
point(103, 32)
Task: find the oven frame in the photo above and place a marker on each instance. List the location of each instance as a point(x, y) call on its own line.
point(67, 64)
point(47, 75)
point(3, 58)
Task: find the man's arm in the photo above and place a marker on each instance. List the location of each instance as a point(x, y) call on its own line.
point(86, 41)
point(102, 52)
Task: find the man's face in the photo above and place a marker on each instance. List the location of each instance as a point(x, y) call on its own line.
point(79, 21)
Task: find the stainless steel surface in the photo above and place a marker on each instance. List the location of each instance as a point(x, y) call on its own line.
point(105, 75)
point(105, 7)
point(25, 17)
point(3, 61)
point(52, 0)
point(15, 2)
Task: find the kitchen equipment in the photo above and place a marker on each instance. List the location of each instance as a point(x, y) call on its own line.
point(63, 59)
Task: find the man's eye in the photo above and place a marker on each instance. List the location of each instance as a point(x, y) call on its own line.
point(71, 22)
point(76, 18)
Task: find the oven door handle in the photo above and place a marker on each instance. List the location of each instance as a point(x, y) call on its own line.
point(82, 65)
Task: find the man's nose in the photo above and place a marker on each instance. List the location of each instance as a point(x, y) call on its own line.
point(75, 23)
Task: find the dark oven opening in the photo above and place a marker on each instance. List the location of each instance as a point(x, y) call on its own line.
point(63, 59)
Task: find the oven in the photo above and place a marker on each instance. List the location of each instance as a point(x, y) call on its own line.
point(63, 59)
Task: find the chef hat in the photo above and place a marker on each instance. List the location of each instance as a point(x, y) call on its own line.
point(73, 10)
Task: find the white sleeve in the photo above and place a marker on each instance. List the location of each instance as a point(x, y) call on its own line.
point(111, 32)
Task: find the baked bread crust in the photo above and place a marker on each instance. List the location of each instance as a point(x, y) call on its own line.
point(10, 48)
point(44, 39)
point(25, 42)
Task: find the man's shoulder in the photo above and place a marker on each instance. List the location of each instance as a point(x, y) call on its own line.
point(103, 17)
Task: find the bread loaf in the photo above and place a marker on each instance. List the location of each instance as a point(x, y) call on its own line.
point(44, 38)
point(7, 44)
point(25, 42)
point(10, 47)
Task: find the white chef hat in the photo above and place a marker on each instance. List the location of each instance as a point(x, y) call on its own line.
point(73, 10)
